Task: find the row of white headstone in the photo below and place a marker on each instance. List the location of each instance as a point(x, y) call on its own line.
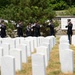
point(19, 48)
point(42, 56)
point(14, 52)
point(66, 55)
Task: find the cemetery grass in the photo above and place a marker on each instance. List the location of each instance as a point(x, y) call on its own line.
point(53, 65)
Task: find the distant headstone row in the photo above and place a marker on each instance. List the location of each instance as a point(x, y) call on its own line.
point(66, 55)
point(42, 56)
point(15, 51)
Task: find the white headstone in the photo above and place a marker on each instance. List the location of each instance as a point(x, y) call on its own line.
point(6, 48)
point(73, 40)
point(64, 36)
point(67, 63)
point(17, 41)
point(43, 50)
point(51, 41)
point(64, 39)
point(18, 58)
point(28, 43)
point(63, 46)
point(32, 43)
point(38, 64)
point(21, 39)
point(48, 46)
point(8, 65)
point(40, 40)
point(23, 48)
point(35, 42)
point(0, 41)
point(54, 39)
point(1, 54)
point(11, 41)
point(47, 40)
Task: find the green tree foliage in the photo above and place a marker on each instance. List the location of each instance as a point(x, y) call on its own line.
point(27, 10)
point(3, 3)
point(31, 10)
point(58, 5)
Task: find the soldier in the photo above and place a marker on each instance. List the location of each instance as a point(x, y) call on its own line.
point(36, 29)
point(3, 29)
point(20, 29)
point(69, 30)
point(51, 26)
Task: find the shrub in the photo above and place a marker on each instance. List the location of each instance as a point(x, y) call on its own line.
point(70, 11)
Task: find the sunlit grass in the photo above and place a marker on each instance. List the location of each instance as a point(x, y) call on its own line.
point(53, 65)
point(27, 68)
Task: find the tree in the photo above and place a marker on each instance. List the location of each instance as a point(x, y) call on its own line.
point(27, 11)
point(3, 3)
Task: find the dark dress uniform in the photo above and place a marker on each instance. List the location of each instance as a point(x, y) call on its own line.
point(3, 30)
point(69, 31)
point(51, 26)
point(36, 29)
point(20, 30)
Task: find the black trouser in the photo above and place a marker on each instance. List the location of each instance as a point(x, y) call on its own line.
point(69, 38)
